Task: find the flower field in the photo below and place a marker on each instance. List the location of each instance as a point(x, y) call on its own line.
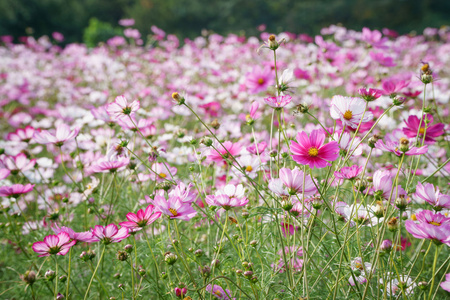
point(226, 167)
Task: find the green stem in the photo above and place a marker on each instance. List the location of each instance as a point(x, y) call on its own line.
point(95, 272)
point(68, 273)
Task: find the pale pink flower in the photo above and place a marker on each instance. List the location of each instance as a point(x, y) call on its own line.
point(85, 236)
point(433, 196)
point(62, 135)
point(435, 227)
point(162, 172)
point(293, 180)
point(446, 284)
point(259, 79)
point(370, 94)
point(279, 101)
point(109, 234)
point(348, 172)
point(141, 219)
point(15, 190)
point(230, 196)
point(349, 110)
point(120, 108)
point(19, 163)
point(22, 135)
point(224, 151)
point(174, 208)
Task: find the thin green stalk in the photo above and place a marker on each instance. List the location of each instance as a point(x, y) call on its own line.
point(68, 273)
point(95, 272)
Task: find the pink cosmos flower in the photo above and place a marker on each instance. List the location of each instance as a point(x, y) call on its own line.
point(164, 172)
point(58, 36)
point(257, 149)
point(120, 108)
point(373, 38)
point(383, 60)
point(446, 284)
point(218, 292)
point(259, 79)
point(183, 192)
point(109, 234)
point(345, 141)
point(85, 236)
point(277, 186)
point(141, 219)
point(230, 196)
point(432, 132)
point(22, 135)
point(349, 110)
point(432, 195)
point(293, 180)
point(254, 114)
point(112, 165)
point(15, 190)
point(126, 22)
point(431, 226)
point(395, 146)
point(19, 163)
point(295, 263)
point(174, 208)
point(4, 173)
point(392, 86)
point(348, 172)
point(54, 244)
point(212, 108)
point(312, 151)
point(279, 101)
point(382, 185)
point(62, 135)
point(224, 152)
point(370, 94)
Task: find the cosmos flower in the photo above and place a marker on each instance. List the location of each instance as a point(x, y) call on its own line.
point(54, 244)
point(109, 234)
point(162, 172)
point(218, 292)
point(279, 101)
point(348, 172)
point(349, 110)
point(112, 165)
point(224, 151)
point(174, 208)
point(446, 284)
point(23, 135)
point(141, 218)
point(432, 131)
point(230, 196)
point(85, 236)
point(62, 135)
point(432, 195)
point(312, 151)
point(120, 108)
point(18, 163)
point(435, 227)
point(293, 180)
point(370, 94)
point(15, 190)
point(400, 147)
point(258, 80)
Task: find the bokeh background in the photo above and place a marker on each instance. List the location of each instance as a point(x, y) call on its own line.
point(91, 21)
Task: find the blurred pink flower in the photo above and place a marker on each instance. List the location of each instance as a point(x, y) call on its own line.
point(259, 79)
point(62, 135)
point(120, 108)
point(15, 190)
point(432, 131)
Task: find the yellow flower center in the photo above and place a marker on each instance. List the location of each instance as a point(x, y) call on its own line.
point(359, 266)
point(248, 117)
point(163, 175)
point(173, 211)
point(413, 217)
point(260, 80)
point(421, 130)
point(218, 293)
point(249, 169)
point(348, 115)
point(313, 152)
point(435, 223)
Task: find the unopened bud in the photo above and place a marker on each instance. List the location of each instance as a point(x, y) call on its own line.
point(122, 255)
point(404, 144)
point(272, 42)
point(177, 97)
point(29, 277)
point(401, 202)
point(215, 124)
point(170, 258)
point(50, 275)
point(128, 248)
point(392, 224)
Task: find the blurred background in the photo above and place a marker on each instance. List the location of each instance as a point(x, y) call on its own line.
point(92, 21)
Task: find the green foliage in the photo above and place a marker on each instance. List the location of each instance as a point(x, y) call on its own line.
point(99, 31)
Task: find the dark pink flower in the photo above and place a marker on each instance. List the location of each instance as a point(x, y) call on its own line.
point(54, 244)
point(259, 79)
point(385, 61)
point(312, 151)
point(212, 108)
point(109, 234)
point(392, 86)
point(373, 38)
point(218, 292)
point(257, 149)
point(432, 131)
point(15, 190)
point(141, 218)
point(224, 151)
point(23, 135)
point(370, 94)
point(62, 135)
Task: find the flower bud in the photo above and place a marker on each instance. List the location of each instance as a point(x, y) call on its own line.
point(178, 98)
point(239, 272)
point(198, 252)
point(141, 271)
point(372, 140)
point(50, 275)
point(207, 142)
point(205, 271)
point(29, 277)
point(117, 276)
point(273, 153)
point(175, 242)
point(248, 274)
point(245, 214)
point(378, 211)
point(392, 224)
point(386, 245)
point(272, 43)
point(170, 258)
point(164, 275)
point(398, 100)
point(286, 204)
point(215, 124)
point(128, 248)
point(215, 263)
point(423, 285)
point(254, 243)
point(59, 296)
point(317, 203)
point(401, 202)
point(404, 144)
point(122, 255)
point(426, 78)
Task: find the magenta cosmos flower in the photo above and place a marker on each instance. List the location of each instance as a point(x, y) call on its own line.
point(15, 190)
point(224, 152)
point(393, 86)
point(141, 218)
point(432, 132)
point(230, 196)
point(259, 79)
point(109, 234)
point(120, 108)
point(312, 151)
point(62, 135)
point(54, 244)
point(433, 196)
point(279, 101)
point(431, 226)
point(293, 180)
point(370, 94)
point(400, 147)
point(22, 135)
point(349, 110)
point(348, 172)
point(174, 208)
point(218, 292)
